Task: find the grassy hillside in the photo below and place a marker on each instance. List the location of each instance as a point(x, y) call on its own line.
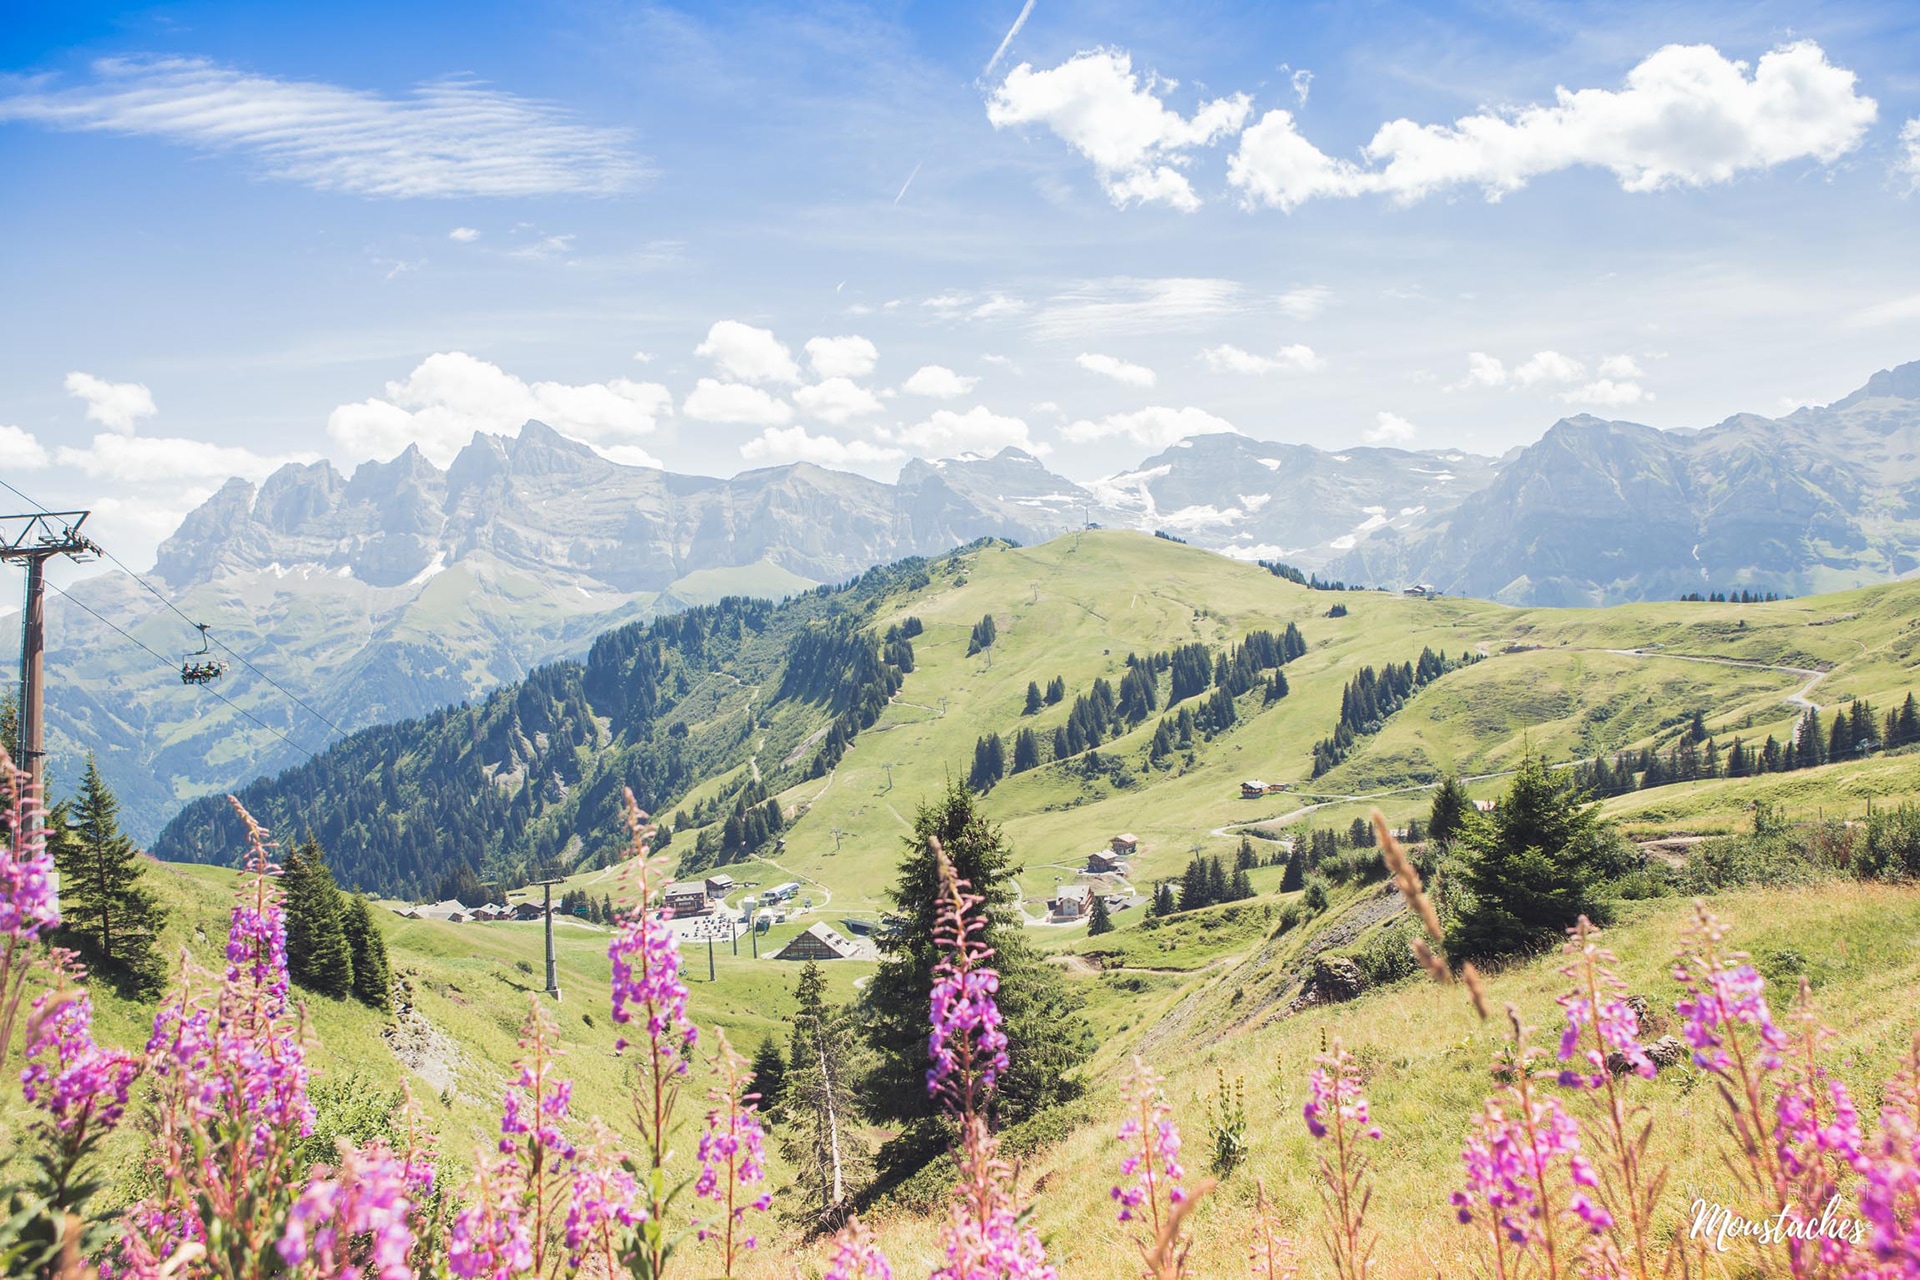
point(1075, 607)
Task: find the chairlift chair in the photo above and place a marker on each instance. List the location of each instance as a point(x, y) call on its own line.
point(199, 668)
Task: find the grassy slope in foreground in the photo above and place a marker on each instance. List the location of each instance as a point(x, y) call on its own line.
point(1426, 1058)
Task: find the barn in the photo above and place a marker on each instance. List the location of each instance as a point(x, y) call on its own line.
point(819, 942)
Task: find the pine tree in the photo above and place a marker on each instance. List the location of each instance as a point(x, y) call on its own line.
point(1047, 1038)
point(1026, 751)
point(1294, 878)
point(1243, 857)
point(107, 914)
point(1240, 887)
point(1449, 813)
point(1193, 885)
point(1216, 881)
point(1033, 699)
point(372, 980)
point(824, 1139)
point(769, 1074)
point(318, 956)
point(1056, 689)
point(1099, 920)
point(1532, 870)
point(989, 763)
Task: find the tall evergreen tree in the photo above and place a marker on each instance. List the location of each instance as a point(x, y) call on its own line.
point(107, 914)
point(1530, 870)
point(367, 949)
point(1099, 920)
point(1056, 689)
point(1449, 812)
point(1047, 1038)
point(824, 1137)
point(1294, 878)
point(1026, 751)
point(1163, 900)
point(769, 1074)
point(318, 955)
point(1243, 857)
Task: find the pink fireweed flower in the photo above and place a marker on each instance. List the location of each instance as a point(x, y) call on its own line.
point(857, 1256)
point(1152, 1141)
point(1511, 1156)
point(603, 1200)
point(732, 1156)
point(1617, 1027)
point(983, 1238)
point(490, 1237)
point(353, 1222)
point(81, 1086)
point(1333, 1087)
point(967, 1046)
point(646, 960)
point(26, 867)
point(1890, 1174)
point(1723, 995)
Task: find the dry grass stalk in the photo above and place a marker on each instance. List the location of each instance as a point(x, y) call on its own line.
point(1476, 990)
point(1408, 881)
point(1167, 1257)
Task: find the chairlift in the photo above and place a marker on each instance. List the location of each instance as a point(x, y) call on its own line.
point(199, 668)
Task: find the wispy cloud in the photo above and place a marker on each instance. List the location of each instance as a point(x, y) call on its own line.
point(1130, 305)
point(447, 138)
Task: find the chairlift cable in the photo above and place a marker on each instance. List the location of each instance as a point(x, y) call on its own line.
point(168, 664)
point(224, 647)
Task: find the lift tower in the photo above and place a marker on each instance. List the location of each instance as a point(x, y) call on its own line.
point(545, 877)
point(32, 540)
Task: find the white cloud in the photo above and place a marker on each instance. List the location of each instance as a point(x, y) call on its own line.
point(1097, 105)
point(849, 357)
point(1304, 302)
point(1227, 358)
point(1484, 370)
point(19, 450)
point(978, 430)
point(737, 403)
point(837, 400)
point(1302, 82)
point(795, 444)
point(447, 138)
point(1390, 428)
point(1548, 366)
point(748, 354)
point(629, 455)
point(1608, 391)
point(149, 460)
point(1909, 163)
point(937, 382)
point(1155, 427)
point(463, 235)
point(114, 405)
point(1621, 367)
point(1133, 375)
point(1688, 116)
point(451, 395)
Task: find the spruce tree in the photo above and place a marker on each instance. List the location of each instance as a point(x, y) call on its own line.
point(824, 1138)
point(1056, 689)
point(1046, 1036)
point(372, 980)
point(1033, 700)
point(1240, 887)
point(1243, 857)
point(769, 1074)
point(1163, 901)
point(107, 914)
point(1294, 878)
point(1449, 813)
point(318, 955)
point(1532, 870)
point(1099, 920)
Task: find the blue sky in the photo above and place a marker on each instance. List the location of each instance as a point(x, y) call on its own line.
point(242, 233)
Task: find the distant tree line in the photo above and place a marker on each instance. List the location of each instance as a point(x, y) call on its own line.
point(334, 944)
point(1742, 596)
point(1371, 696)
point(1105, 712)
point(1855, 731)
point(1312, 581)
point(578, 902)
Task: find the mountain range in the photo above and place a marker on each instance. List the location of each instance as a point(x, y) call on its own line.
point(404, 587)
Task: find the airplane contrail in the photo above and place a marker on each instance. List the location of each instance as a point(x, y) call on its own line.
point(908, 182)
point(1012, 31)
